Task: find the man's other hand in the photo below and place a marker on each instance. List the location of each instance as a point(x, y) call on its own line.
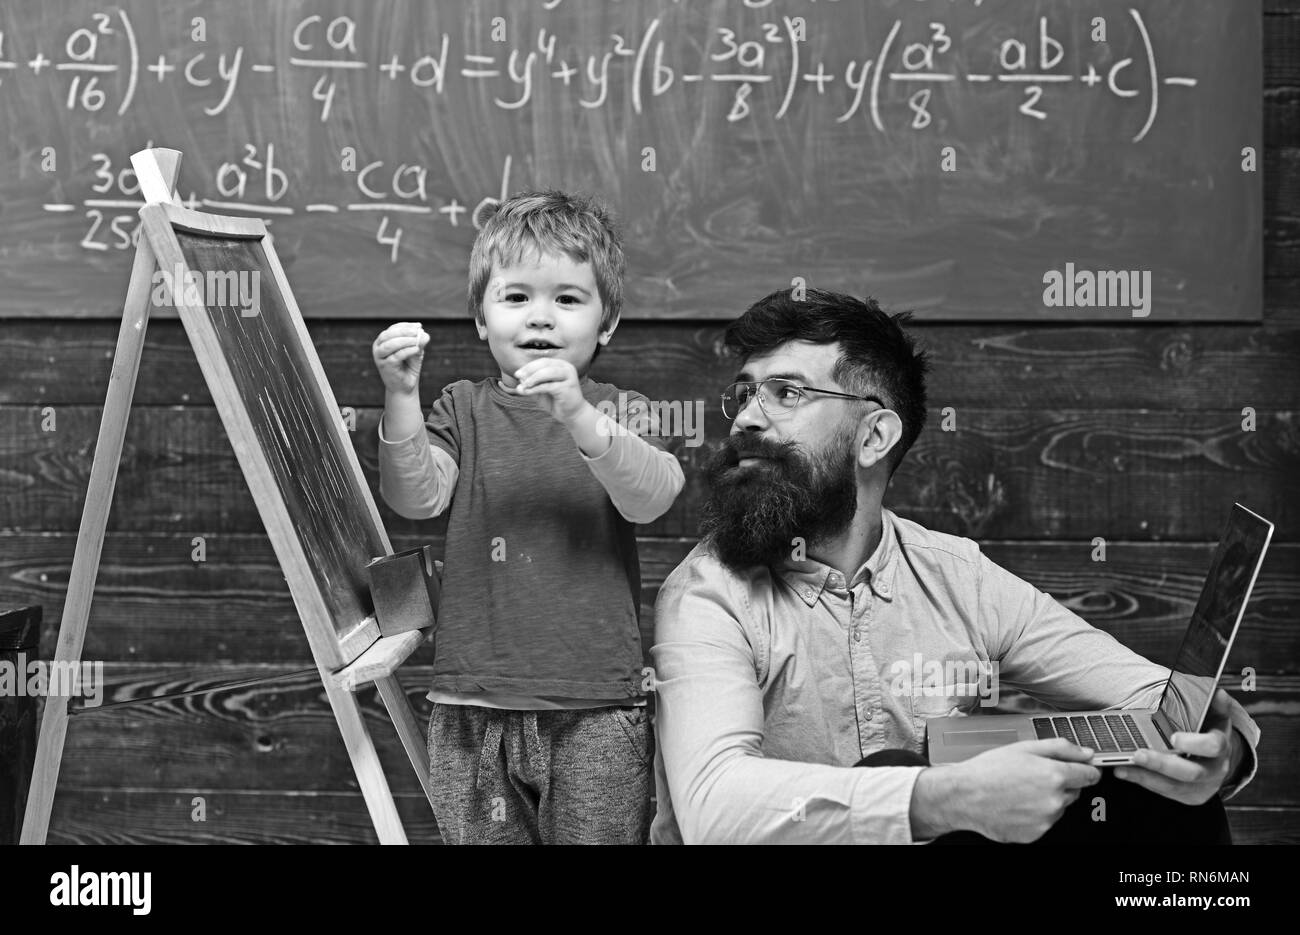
point(1213, 756)
point(1011, 794)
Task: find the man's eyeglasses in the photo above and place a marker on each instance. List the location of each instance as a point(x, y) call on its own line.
point(776, 397)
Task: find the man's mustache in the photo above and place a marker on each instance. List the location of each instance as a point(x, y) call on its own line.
point(735, 447)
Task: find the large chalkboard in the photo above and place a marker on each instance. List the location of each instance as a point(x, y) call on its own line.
point(943, 156)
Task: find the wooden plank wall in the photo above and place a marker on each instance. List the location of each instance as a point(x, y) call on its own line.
point(1065, 432)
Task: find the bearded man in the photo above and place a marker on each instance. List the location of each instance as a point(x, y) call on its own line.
point(779, 637)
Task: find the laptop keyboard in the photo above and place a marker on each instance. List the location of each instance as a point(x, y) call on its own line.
point(1103, 733)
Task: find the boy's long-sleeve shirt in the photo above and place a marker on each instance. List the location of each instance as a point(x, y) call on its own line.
point(541, 580)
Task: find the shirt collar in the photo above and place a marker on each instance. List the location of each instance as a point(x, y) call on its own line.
point(808, 578)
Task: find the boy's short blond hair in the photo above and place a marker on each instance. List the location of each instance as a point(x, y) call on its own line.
point(555, 222)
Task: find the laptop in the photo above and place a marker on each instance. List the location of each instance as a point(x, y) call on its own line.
point(1115, 735)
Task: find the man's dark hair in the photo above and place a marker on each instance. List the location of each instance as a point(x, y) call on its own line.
point(877, 357)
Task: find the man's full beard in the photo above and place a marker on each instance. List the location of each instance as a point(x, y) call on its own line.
point(754, 514)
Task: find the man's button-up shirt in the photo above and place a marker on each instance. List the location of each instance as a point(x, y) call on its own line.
point(772, 683)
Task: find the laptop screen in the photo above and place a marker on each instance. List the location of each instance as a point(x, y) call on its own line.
point(1219, 610)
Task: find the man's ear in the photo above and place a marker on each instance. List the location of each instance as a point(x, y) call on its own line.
point(882, 430)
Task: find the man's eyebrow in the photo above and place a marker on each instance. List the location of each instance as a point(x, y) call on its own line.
point(792, 375)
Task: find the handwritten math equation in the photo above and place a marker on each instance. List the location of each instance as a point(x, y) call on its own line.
point(255, 183)
point(103, 67)
point(763, 67)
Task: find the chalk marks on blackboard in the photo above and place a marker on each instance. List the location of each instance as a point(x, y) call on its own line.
point(1033, 58)
point(738, 58)
point(404, 191)
point(793, 135)
point(81, 47)
point(272, 376)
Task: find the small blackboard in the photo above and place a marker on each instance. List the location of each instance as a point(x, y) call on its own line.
point(280, 414)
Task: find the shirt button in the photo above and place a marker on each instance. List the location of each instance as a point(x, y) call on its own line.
point(807, 594)
point(834, 581)
point(884, 588)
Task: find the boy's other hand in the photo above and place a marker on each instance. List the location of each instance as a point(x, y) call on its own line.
point(398, 352)
point(555, 383)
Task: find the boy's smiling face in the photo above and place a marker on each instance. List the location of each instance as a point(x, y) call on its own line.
point(545, 305)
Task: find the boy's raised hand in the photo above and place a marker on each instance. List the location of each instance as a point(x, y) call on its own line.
point(555, 382)
point(398, 352)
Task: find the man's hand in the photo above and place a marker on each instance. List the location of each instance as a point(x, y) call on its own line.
point(555, 382)
point(1011, 794)
point(1215, 755)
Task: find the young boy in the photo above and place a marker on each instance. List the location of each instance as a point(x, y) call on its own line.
point(539, 730)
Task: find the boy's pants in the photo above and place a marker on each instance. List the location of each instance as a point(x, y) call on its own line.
point(541, 777)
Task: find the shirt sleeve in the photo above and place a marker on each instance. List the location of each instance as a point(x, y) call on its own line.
point(417, 475)
point(710, 730)
point(640, 475)
point(1058, 658)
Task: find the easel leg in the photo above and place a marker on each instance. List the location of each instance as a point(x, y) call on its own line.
point(90, 539)
point(45, 772)
point(365, 763)
point(408, 729)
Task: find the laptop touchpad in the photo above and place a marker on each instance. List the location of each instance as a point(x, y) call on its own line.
point(967, 738)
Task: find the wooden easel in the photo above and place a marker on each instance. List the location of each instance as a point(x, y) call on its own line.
point(344, 665)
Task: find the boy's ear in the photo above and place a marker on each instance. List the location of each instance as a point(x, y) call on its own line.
point(481, 328)
point(604, 336)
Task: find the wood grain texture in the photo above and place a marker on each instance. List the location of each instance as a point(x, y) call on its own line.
point(283, 736)
point(112, 816)
point(1281, 49)
point(118, 816)
point(128, 816)
point(153, 604)
point(1001, 474)
point(1218, 367)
